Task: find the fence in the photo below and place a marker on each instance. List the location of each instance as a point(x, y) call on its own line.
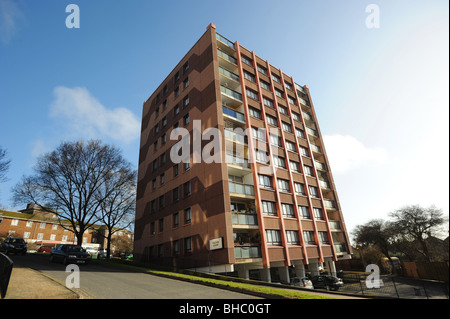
point(394, 287)
point(6, 266)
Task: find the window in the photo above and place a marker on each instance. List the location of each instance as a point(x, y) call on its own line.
point(175, 194)
point(276, 78)
point(273, 237)
point(186, 82)
point(323, 237)
point(309, 237)
point(314, 191)
point(164, 121)
point(186, 101)
point(15, 222)
point(268, 102)
point(152, 228)
point(176, 219)
point(259, 134)
point(286, 127)
point(296, 117)
point(255, 113)
point(318, 213)
point(52, 237)
point(272, 120)
point(154, 183)
point(163, 159)
point(29, 224)
point(309, 170)
point(187, 166)
point(299, 188)
point(246, 60)
point(299, 133)
point(176, 247)
point(177, 76)
point(187, 188)
point(289, 86)
point(187, 215)
point(153, 206)
point(64, 238)
point(155, 146)
point(162, 201)
point(251, 94)
point(279, 162)
point(287, 210)
point(276, 140)
point(186, 67)
point(186, 120)
point(26, 234)
point(283, 110)
point(290, 146)
point(176, 109)
point(161, 225)
point(42, 226)
point(269, 208)
point(262, 157)
point(164, 139)
point(292, 237)
point(175, 170)
point(304, 212)
point(157, 112)
point(265, 85)
point(177, 91)
point(278, 93)
point(249, 76)
point(283, 185)
point(304, 151)
point(188, 245)
point(262, 69)
point(291, 100)
point(265, 181)
point(295, 167)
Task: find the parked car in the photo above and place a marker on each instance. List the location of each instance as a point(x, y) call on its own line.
point(302, 282)
point(14, 245)
point(327, 282)
point(45, 249)
point(70, 254)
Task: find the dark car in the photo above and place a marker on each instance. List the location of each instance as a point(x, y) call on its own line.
point(327, 282)
point(70, 254)
point(14, 245)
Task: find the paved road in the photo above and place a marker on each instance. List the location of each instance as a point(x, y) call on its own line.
point(100, 282)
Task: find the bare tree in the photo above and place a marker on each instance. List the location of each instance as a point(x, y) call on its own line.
point(117, 209)
point(417, 224)
point(67, 182)
point(4, 164)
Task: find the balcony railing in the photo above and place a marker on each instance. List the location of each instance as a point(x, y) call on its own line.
point(231, 93)
point(340, 248)
point(247, 252)
point(244, 219)
point(335, 225)
point(231, 75)
point(239, 188)
point(231, 135)
point(316, 148)
point(227, 57)
point(324, 184)
point(236, 160)
point(235, 114)
point(329, 204)
point(320, 166)
point(226, 41)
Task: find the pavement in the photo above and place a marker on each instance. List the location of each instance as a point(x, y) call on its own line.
point(27, 283)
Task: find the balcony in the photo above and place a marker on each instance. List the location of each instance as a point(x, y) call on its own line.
point(340, 248)
point(235, 137)
point(241, 189)
point(246, 219)
point(320, 166)
point(227, 57)
point(329, 204)
point(335, 225)
point(247, 252)
point(225, 41)
point(232, 159)
point(324, 184)
point(235, 115)
point(229, 74)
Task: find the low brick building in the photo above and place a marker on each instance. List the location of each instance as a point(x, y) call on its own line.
point(41, 228)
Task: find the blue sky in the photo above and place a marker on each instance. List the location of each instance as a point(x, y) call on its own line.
point(381, 94)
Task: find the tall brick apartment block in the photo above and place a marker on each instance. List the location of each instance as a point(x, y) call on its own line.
point(269, 209)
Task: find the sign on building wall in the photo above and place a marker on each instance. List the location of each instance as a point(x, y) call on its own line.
point(216, 243)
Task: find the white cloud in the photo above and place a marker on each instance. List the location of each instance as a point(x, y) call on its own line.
point(346, 153)
point(10, 16)
point(86, 116)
